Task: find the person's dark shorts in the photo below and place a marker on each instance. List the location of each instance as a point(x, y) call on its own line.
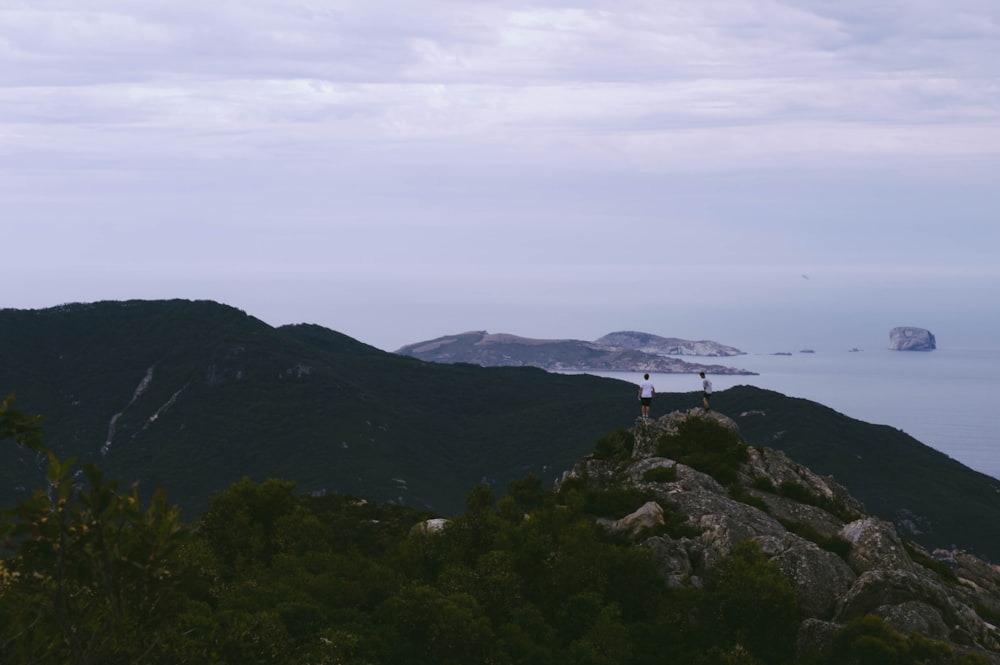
point(646, 401)
point(707, 395)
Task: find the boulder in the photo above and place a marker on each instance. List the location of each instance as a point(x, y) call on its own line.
point(909, 338)
point(915, 601)
point(819, 578)
point(435, 525)
point(875, 546)
point(648, 516)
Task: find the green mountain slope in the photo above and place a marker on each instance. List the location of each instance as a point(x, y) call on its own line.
point(931, 497)
point(197, 395)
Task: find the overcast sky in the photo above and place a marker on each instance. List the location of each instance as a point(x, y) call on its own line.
point(761, 173)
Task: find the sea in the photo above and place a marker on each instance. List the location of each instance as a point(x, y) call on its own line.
point(945, 398)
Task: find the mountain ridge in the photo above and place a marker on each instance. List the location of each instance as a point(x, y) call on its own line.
point(194, 395)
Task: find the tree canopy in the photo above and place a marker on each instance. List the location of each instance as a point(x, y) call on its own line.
point(267, 575)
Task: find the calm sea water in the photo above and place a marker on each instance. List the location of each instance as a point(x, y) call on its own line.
point(945, 398)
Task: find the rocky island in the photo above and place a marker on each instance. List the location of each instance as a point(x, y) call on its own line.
point(616, 352)
point(910, 338)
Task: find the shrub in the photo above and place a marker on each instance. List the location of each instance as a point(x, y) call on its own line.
point(528, 492)
point(660, 474)
point(707, 446)
point(614, 503)
point(616, 446)
point(839, 546)
point(753, 604)
point(802, 494)
point(739, 493)
point(869, 640)
point(942, 569)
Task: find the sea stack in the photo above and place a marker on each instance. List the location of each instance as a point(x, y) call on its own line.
point(910, 338)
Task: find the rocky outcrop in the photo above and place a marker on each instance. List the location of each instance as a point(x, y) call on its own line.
point(909, 338)
point(841, 562)
point(665, 346)
point(618, 352)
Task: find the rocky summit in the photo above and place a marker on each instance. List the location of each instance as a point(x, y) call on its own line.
point(910, 338)
point(706, 492)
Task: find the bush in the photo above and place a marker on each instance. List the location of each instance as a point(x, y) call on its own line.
point(869, 640)
point(707, 446)
point(738, 493)
point(616, 446)
point(764, 484)
point(943, 570)
point(836, 544)
point(614, 503)
point(803, 494)
point(660, 474)
point(753, 604)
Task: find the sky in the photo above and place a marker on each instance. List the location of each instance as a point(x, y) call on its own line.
point(762, 173)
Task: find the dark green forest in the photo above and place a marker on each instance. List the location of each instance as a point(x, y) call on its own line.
point(194, 396)
point(93, 573)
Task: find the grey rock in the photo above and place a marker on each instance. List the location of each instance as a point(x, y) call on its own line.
point(648, 516)
point(674, 559)
point(819, 578)
point(910, 338)
point(912, 598)
point(435, 525)
point(793, 514)
point(815, 636)
point(914, 616)
point(875, 546)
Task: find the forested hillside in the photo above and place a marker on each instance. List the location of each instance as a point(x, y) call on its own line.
point(194, 396)
point(267, 575)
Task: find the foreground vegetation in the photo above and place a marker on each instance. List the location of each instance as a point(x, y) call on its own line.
point(270, 576)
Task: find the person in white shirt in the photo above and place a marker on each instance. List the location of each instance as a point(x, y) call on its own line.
point(706, 391)
point(646, 392)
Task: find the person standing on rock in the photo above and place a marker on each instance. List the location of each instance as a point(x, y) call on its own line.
point(706, 391)
point(646, 392)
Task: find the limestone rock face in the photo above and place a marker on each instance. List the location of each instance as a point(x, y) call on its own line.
point(841, 563)
point(909, 338)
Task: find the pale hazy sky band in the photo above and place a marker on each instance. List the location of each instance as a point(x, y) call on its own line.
point(400, 170)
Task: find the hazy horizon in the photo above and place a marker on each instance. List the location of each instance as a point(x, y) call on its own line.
point(752, 331)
